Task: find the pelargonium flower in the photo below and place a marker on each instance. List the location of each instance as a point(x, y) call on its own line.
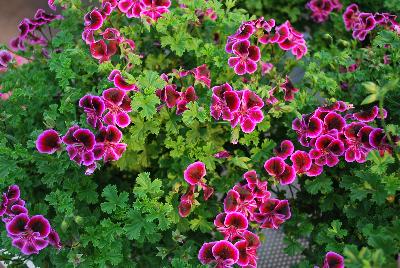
point(240, 200)
point(225, 101)
point(29, 234)
point(202, 74)
point(131, 8)
point(189, 95)
point(379, 141)
point(365, 23)
point(281, 171)
point(186, 202)
point(322, 8)
point(301, 161)
point(333, 123)
point(102, 51)
point(258, 188)
point(357, 142)
point(367, 115)
point(307, 127)
point(93, 20)
point(315, 170)
point(94, 108)
point(246, 57)
point(285, 149)
point(222, 253)
point(289, 89)
point(194, 175)
point(48, 142)
point(169, 95)
point(108, 144)
point(222, 154)
point(350, 16)
point(118, 105)
point(272, 213)
point(266, 67)
point(333, 260)
point(54, 239)
point(120, 82)
point(248, 249)
point(5, 58)
point(154, 9)
point(51, 5)
point(249, 114)
point(231, 225)
point(327, 151)
point(80, 143)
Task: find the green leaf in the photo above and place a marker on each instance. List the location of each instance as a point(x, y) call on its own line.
point(149, 81)
point(110, 193)
point(145, 105)
point(145, 187)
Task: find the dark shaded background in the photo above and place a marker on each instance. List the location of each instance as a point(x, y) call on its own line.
point(13, 11)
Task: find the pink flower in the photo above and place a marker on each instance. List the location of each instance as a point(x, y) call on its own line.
point(94, 108)
point(93, 20)
point(248, 249)
point(357, 142)
point(307, 127)
point(222, 154)
point(118, 104)
point(154, 9)
point(285, 149)
point(108, 144)
point(289, 89)
point(225, 101)
point(120, 82)
point(80, 143)
point(301, 161)
point(132, 8)
point(29, 234)
point(281, 171)
point(333, 260)
point(231, 225)
point(249, 113)
point(327, 151)
point(48, 142)
point(266, 67)
point(194, 173)
point(5, 58)
point(273, 213)
point(246, 57)
point(102, 51)
point(202, 74)
point(222, 253)
point(350, 16)
point(240, 199)
point(51, 4)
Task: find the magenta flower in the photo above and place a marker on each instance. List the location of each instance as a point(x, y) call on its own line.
point(202, 74)
point(368, 115)
point(154, 9)
point(189, 95)
point(246, 57)
point(315, 170)
point(273, 213)
point(118, 104)
point(322, 8)
point(93, 20)
point(54, 239)
point(248, 249)
point(364, 24)
point(245, 31)
point(307, 127)
point(222, 154)
point(29, 234)
point(94, 108)
point(357, 142)
point(169, 95)
point(284, 150)
point(5, 58)
point(231, 225)
point(333, 260)
point(350, 16)
point(88, 36)
point(186, 202)
point(266, 67)
point(301, 161)
point(333, 123)
point(225, 101)
point(51, 5)
point(120, 82)
point(108, 144)
point(281, 171)
point(102, 51)
point(289, 89)
point(379, 141)
point(327, 151)
point(240, 200)
point(222, 253)
point(249, 113)
point(194, 173)
point(258, 188)
point(48, 142)
point(131, 8)
point(80, 143)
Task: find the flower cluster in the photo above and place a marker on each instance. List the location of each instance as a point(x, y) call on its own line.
point(30, 30)
point(361, 23)
point(194, 176)
point(246, 56)
point(241, 107)
point(29, 234)
point(179, 99)
point(84, 147)
point(245, 202)
point(329, 134)
point(321, 9)
point(5, 58)
point(111, 39)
